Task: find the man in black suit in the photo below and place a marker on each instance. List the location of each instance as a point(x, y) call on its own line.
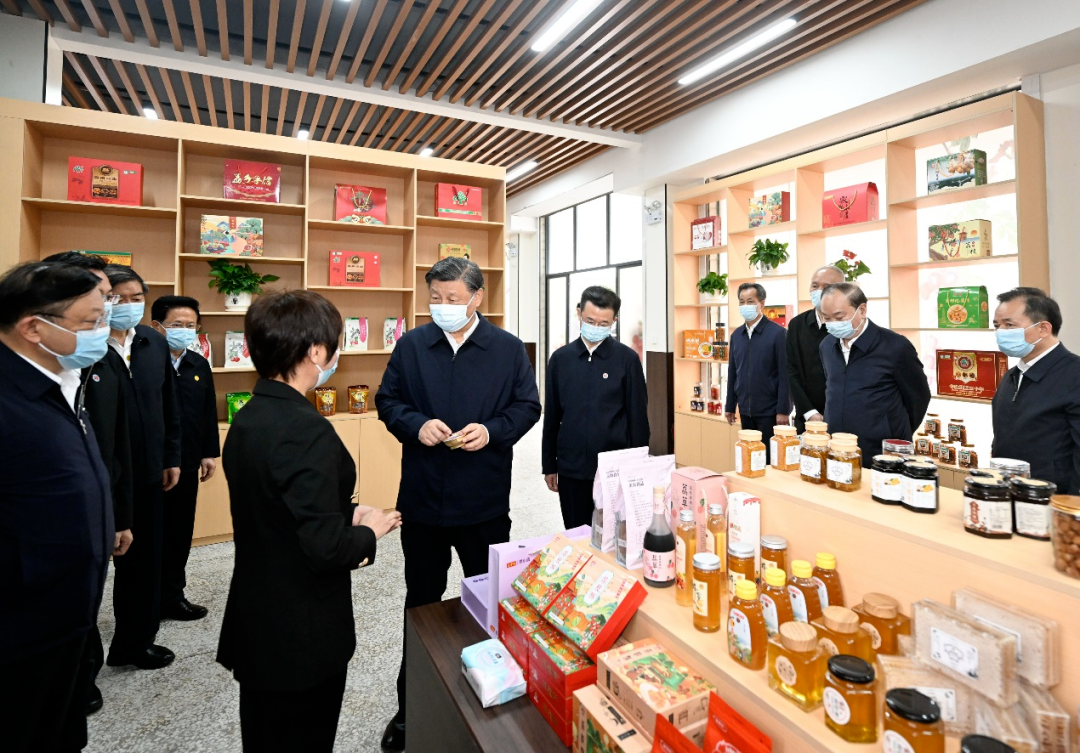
point(56, 521)
point(875, 386)
point(806, 376)
point(1037, 407)
point(154, 427)
point(177, 318)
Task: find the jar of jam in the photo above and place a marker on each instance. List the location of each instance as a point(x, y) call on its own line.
point(920, 486)
point(912, 722)
point(720, 350)
point(773, 554)
point(922, 445)
point(706, 592)
point(966, 457)
point(699, 389)
point(932, 425)
point(740, 564)
point(714, 391)
point(1009, 467)
point(784, 450)
point(887, 479)
point(849, 699)
point(984, 744)
point(1065, 517)
point(957, 430)
point(1031, 507)
point(987, 508)
point(901, 447)
point(750, 454)
point(844, 465)
point(326, 400)
point(814, 457)
point(947, 453)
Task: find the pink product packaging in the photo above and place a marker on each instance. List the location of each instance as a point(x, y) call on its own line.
point(637, 481)
point(696, 489)
point(607, 493)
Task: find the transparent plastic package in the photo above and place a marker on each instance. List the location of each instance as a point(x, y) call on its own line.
point(1050, 723)
point(954, 699)
point(1004, 724)
point(905, 644)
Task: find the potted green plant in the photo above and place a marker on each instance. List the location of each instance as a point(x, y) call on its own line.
point(768, 254)
point(713, 288)
point(852, 267)
point(237, 283)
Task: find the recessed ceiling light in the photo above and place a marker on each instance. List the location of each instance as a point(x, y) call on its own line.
point(737, 52)
point(427, 151)
point(150, 113)
point(570, 18)
point(520, 170)
point(303, 134)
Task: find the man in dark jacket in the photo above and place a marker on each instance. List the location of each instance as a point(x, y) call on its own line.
point(456, 382)
point(595, 402)
point(56, 522)
point(757, 375)
point(806, 376)
point(177, 318)
point(1037, 407)
point(154, 426)
point(875, 386)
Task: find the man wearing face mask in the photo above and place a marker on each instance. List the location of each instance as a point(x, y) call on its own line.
point(462, 383)
point(806, 376)
point(176, 317)
point(1036, 408)
point(875, 386)
point(757, 375)
point(596, 402)
point(56, 522)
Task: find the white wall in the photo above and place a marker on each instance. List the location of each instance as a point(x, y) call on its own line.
point(22, 58)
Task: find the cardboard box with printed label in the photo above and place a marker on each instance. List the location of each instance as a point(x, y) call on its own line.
point(970, 373)
point(360, 205)
point(595, 607)
point(704, 233)
point(104, 181)
point(354, 269)
point(694, 488)
point(958, 241)
point(600, 726)
point(251, 181)
point(952, 171)
point(850, 204)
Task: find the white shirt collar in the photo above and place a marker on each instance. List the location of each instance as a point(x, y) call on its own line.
point(68, 380)
point(1025, 365)
point(845, 348)
point(124, 348)
point(820, 320)
point(751, 327)
point(176, 361)
point(591, 347)
point(465, 338)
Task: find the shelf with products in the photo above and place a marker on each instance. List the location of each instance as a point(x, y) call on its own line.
point(282, 234)
point(757, 232)
point(1002, 259)
point(391, 253)
point(241, 206)
point(338, 226)
point(957, 196)
point(89, 207)
point(851, 229)
point(243, 259)
point(391, 186)
point(485, 270)
point(348, 289)
point(711, 251)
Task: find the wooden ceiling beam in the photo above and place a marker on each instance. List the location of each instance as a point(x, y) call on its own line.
point(298, 113)
point(332, 120)
point(444, 124)
point(494, 27)
point(264, 102)
point(444, 146)
point(365, 42)
point(95, 18)
point(118, 15)
point(107, 82)
point(41, 12)
point(349, 120)
point(377, 128)
point(14, 9)
point(69, 15)
point(211, 105)
point(459, 40)
point(540, 175)
point(482, 144)
point(271, 32)
point(67, 83)
point(197, 25)
point(466, 136)
point(415, 34)
point(247, 106)
point(517, 148)
point(170, 92)
point(297, 27)
point(506, 136)
point(88, 84)
point(420, 121)
point(174, 25)
point(249, 31)
point(192, 103)
point(320, 34)
point(229, 110)
point(391, 38)
point(358, 132)
point(440, 34)
point(283, 103)
point(313, 127)
point(343, 39)
point(129, 85)
point(147, 23)
point(223, 28)
point(389, 132)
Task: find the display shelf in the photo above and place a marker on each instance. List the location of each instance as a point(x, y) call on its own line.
point(425, 267)
point(707, 416)
point(700, 305)
point(89, 207)
point(223, 370)
point(736, 281)
point(757, 232)
point(378, 352)
point(711, 251)
point(248, 208)
point(423, 220)
point(246, 259)
point(957, 196)
point(839, 230)
point(352, 227)
point(159, 284)
point(347, 289)
point(955, 399)
point(959, 262)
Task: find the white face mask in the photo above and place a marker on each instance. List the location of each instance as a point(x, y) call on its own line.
point(451, 317)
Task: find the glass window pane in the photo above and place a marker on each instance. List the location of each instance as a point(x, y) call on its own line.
point(631, 318)
point(592, 225)
point(578, 283)
point(560, 242)
point(556, 305)
point(627, 221)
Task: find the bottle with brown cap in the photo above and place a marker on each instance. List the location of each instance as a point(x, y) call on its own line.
point(839, 633)
point(827, 580)
point(880, 616)
point(797, 665)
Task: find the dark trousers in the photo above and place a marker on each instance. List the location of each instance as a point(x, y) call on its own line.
point(427, 560)
point(575, 499)
point(38, 708)
point(177, 527)
point(764, 424)
point(93, 659)
point(277, 720)
point(137, 585)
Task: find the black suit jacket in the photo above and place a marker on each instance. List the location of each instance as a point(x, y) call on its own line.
point(56, 523)
point(103, 387)
point(806, 375)
point(198, 411)
point(1037, 419)
point(153, 415)
point(757, 376)
point(289, 618)
point(882, 393)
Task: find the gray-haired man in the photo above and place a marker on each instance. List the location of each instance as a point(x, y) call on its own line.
point(806, 377)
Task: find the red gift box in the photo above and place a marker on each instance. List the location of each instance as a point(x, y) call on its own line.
point(729, 731)
point(354, 269)
point(104, 181)
point(360, 204)
point(458, 202)
point(970, 373)
point(669, 739)
point(252, 181)
point(705, 233)
point(595, 607)
point(556, 669)
point(517, 622)
point(779, 314)
point(562, 724)
point(844, 206)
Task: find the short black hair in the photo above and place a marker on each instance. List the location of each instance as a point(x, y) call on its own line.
point(1038, 306)
point(281, 326)
point(92, 262)
point(455, 268)
point(855, 295)
point(758, 288)
point(162, 306)
point(118, 274)
point(40, 287)
point(601, 297)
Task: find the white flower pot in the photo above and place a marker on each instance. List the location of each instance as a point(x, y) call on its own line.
point(237, 301)
point(711, 299)
point(767, 271)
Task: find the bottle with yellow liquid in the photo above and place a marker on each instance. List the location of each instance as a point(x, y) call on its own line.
point(716, 533)
point(685, 549)
point(747, 638)
point(839, 632)
point(881, 617)
point(797, 665)
point(775, 601)
point(851, 708)
point(805, 604)
point(707, 590)
point(827, 580)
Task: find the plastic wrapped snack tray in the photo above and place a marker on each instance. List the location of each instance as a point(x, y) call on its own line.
point(492, 672)
point(1049, 722)
point(952, 697)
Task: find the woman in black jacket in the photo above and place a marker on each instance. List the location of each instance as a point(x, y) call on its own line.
point(288, 631)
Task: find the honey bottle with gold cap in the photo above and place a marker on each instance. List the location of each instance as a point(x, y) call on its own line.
point(747, 638)
point(805, 604)
point(839, 633)
point(880, 616)
point(797, 665)
point(827, 580)
point(775, 601)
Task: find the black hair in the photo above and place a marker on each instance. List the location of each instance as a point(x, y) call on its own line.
point(281, 326)
point(855, 295)
point(42, 288)
point(92, 262)
point(1038, 306)
point(455, 268)
point(162, 306)
point(758, 288)
point(119, 274)
point(601, 297)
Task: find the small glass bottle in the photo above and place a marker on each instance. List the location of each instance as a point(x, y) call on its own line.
point(1031, 506)
point(747, 638)
point(880, 616)
point(987, 508)
point(887, 479)
point(784, 448)
point(912, 723)
point(814, 457)
point(849, 699)
point(716, 533)
point(658, 555)
point(844, 465)
point(750, 454)
point(740, 564)
point(707, 590)
point(796, 665)
point(920, 486)
point(805, 604)
point(827, 580)
point(775, 601)
point(773, 554)
point(984, 744)
point(839, 633)
point(685, 546)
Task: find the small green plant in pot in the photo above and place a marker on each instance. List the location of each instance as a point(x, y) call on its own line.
point(237, 283)
point(851, 266)
point(768, 255)
point(713, 287)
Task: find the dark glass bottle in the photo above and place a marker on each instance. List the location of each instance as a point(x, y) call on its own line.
point(658, 557)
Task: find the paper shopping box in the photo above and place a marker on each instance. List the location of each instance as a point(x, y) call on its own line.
point(596, 605)
point(360, 205)
point(848, 205)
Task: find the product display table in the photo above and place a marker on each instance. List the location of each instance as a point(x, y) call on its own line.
point(442, 708)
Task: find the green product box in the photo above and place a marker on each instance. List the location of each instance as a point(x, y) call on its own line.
point(952, 171)
point(235, 401)
point(963, 308)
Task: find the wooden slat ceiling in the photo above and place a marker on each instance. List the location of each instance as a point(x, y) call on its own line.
point(616, 70)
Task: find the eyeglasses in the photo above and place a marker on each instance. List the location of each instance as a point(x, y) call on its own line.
point(101, 321)
point(113, 299)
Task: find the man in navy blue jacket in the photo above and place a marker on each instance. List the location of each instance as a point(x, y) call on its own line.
point(56, 517)
point(456, 382)
point(757, 374)
point(875, 386)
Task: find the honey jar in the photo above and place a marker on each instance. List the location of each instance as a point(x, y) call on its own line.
point(796, 665)
point(358, 398)
point(912, 722)
point(839, 632)
point(988, 508)
point(775, 601)
point(706, 591)
point(326, 400)
point(814, 457)
point(747, 638)
point(827, 580)
point(849, 699)
point(1065, 521)
point(984, 744)
point(685, 546)
point(880, 616)
point(843, 465)
point(887, 479)
point(957, 431)
point(805, 603)
point(784, 449)
point(740, 564)
point(716, 533)
point(1031, 506)
point(750, 454)
point(773, 554)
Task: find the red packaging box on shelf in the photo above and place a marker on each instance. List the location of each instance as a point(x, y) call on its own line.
point(354, 269)
point(252, 181)
point(360, 205)
point(104, 181)
point(458, 202)
point(704, 233)
point(550, 572)
point(779, 314)
point(848, 205)
point(517, 622)
point(970, 373)
point(593, 610)
point(730, 731)
point(556, 669)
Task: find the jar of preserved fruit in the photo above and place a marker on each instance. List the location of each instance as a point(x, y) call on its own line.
point(987, 508)
point(844, 465)
point(774, 551)
point(740, 564)
point(1009, 467)
point(1031, 506)
point(850, 702)
point(706, 592)
point(814, 457)
point(1065, 520)
point(912, 722)
point(901, 447)
point(819, 428)
point(750, 454)
point(957, 431)
point(922, 445)
point(947, 453)
point(920, 486)
point(932, 425)
point(714, 391)
point(966, 457)
point(785, 448)
point(887, 479)
point(699, 389)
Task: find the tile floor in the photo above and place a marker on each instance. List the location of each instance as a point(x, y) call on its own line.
point(191, 706)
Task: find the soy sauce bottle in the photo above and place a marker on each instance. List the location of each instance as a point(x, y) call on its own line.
point(658, 557)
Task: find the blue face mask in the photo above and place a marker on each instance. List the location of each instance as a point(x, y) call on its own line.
point(325, 374)
point(451, 317)
point(749, 312)
point(179, 338)
point(1012, 343)
point(91, 345)
point(594, 333)
point(124, 316)
point(815, 298)
point(842, 330)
